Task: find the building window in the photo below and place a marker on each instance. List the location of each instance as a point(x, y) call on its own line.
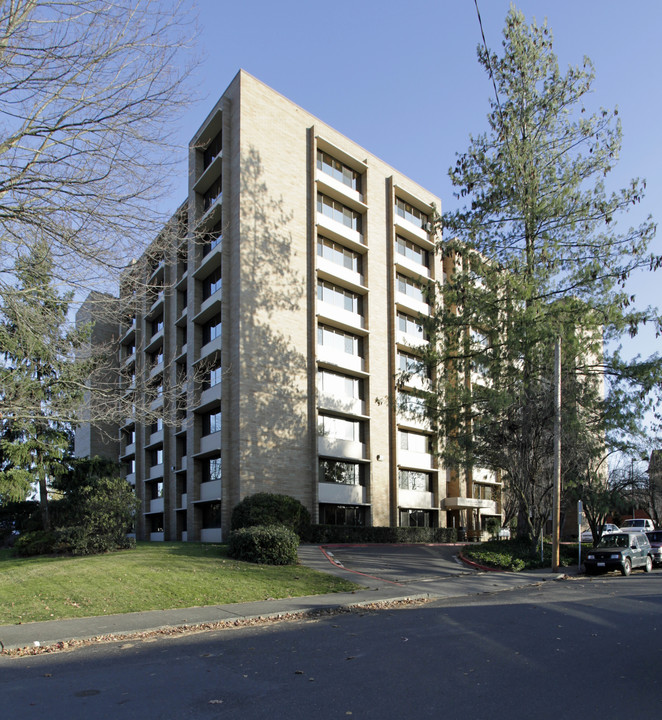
point(339, 297)
point(212, 376)
point(340, 341)
point(156, 457)
point(156, 358)
point(415, 518)
point(339, 255)
point(339, 171)
point(340, 386)
point(211, 514)
point(212, 151)
point(156, 426)
point(412, 405)
point(130, 466)
point(211, 283)
point(339, 212)
point(411, 326)
point(213, 194)
point(211, 330)
point(410, 213)
point(483, 492)
point(413, 442)
point(412, 251)
point(211, 422)
point(410, 288)
point(211, 469)
point(343, 473)
point(157, 325)
point(412, 366)
point(211, 239)
point(342, 515)
point(336, 428)
point(414, 480)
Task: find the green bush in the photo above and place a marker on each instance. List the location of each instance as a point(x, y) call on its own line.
point(271, 509)
point(37, 542)
point(517, 555)
point(321, 534)
point(264, 544)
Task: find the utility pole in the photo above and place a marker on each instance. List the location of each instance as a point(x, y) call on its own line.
point(556, 509)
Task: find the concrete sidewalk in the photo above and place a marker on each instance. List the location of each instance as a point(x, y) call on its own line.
point(374, 591)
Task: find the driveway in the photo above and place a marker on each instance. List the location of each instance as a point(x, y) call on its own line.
point(398, 564)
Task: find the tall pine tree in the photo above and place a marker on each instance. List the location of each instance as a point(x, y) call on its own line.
point(536, 255)
point(41, 380)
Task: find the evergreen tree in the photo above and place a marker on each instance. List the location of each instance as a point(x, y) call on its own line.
point(536, 255)
point(41, 381)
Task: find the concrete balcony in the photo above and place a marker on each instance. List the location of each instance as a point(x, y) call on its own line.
point(412, 229)
point(210, 443)
point(211, 535)
point(343, 360)
point(344, 317)
point(464, 503)
point(336, 229)
point(326, 182)
point(339, 494)
point(333, 270)
point(415, 460)
point(157, 537)
point(416, 307)
point(349, 405)
point(411, 265)
point(335, 447)
point(156, 505)
point(156, 471)
point(416, 499)
point(210, 490)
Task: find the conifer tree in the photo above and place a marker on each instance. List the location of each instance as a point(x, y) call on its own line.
point(536, 254)
point(41, 380)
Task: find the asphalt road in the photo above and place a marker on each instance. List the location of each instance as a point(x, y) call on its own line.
point(583, 648)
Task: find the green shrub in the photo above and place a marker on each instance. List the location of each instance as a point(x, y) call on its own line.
point(321, 534)
point(271, 509)
point(80, 540)
point(37, 542)
point(264, 544)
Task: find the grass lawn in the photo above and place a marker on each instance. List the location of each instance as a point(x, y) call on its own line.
point(154, 576)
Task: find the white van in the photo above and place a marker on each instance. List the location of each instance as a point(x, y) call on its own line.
point(639, 524)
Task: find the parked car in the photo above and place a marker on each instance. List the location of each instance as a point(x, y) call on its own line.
point(638, 524)
point(587, 535)
point(622, 551)
point(655, 539)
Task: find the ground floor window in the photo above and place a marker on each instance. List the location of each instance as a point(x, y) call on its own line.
point(211, 514)
point(342, 515)
point(155, 522)
point(416, 518)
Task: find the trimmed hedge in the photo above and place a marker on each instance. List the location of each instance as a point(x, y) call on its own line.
point(264, 544)
point(271, 509)
point(352, 534)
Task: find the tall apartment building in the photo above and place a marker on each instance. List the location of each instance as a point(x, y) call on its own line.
point(277, 320)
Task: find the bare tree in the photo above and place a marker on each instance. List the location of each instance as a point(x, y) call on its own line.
point(89, 90)
point(89, 94)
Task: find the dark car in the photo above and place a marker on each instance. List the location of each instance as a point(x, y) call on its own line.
point(622, 551)
point(655, 539)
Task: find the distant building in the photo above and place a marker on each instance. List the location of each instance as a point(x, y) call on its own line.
point(278, 315)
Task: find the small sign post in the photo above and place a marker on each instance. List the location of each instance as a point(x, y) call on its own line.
point(580, 510)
